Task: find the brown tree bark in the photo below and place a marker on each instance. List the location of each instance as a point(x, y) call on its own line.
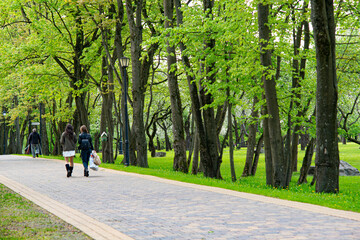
point(211, 164)
point(106, 123)
point(19, 143)
point(251, 140)
point(138, 86)
point(43, 132)
point(327, 153)
point(206, 126)
point(268, 159)
point(195, 165)
point(140, 74)
point(307, 161)
point(237, 136)
point(280, 164)
point(257, 155)
point(298, 76)
point(230, 131)
point(179, 163)
point(151, 135)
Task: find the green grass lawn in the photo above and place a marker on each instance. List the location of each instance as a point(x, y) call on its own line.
point(347, 199)
point(22, 219)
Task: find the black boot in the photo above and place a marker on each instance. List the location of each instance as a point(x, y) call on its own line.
point(86, 173)
point(68, 170)
point(71, 169)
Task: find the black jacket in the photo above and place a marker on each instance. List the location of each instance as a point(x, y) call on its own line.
point(34, 138)
point(85, 136)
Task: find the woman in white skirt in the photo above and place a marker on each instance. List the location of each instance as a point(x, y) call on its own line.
point(68, 142)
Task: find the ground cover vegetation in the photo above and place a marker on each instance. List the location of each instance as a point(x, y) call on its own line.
point(22, 219)
point(205, 77)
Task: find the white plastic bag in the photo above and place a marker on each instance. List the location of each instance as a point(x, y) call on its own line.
point(96, 158)
point(92, 164)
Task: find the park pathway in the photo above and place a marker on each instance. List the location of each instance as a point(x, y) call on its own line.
point(119, 205)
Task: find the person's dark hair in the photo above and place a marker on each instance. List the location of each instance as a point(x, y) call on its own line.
point(83, 129)
point(69, 131)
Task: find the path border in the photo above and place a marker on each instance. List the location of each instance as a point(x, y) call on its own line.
point(250, 196)
point(88, 225)
point(101, 231)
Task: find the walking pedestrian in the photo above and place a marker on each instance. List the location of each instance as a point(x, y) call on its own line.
point(68, 142)
point(34, 141)
point(86, 146)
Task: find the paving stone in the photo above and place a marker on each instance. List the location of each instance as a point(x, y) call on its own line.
point(146, 209)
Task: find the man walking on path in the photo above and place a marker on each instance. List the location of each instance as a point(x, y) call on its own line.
point(35, 141)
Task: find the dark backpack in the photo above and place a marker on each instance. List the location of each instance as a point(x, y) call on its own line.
point(85, 144)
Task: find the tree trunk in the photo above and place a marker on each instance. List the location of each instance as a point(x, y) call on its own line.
point(19, 143)
point(304, 140)
point(138, 87)
point(180, 163)
point(327, 153)
point(195, 164)
point(231, 145)
point(140, 74)
point(268, 159)
point(192, 138)
point(107, 124)
point(96, 141)
point(298, 76)
point(206, 127)
point(78, 77)
point(280, 164)
point(12, 141)
point(43, 132)
point(307, 161)
point(158, 144)
point(187, 127)
point(251, 140)
point(167, 140)
point(152, 135)
point(132, 146)
point(257, 155)
point(23, 134)
point(237, 136)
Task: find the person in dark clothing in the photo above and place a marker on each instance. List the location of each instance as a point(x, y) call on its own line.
point(35, 141)
point(86, 147)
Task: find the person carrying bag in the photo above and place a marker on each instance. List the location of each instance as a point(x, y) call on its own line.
point(86, 147)
point(34, 142)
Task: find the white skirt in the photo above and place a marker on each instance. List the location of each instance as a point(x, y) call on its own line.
point(69, 153)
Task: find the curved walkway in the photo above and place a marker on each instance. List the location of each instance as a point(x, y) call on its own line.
point(119, 205)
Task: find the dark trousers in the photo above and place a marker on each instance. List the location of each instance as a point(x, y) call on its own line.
point(85, 155)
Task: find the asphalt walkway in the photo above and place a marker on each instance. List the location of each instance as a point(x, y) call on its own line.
point(118, 205)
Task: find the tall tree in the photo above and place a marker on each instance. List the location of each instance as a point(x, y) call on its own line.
point(140, 71)
point(279, 163)
point(209, 156)
point(327, 152)
point(251, 139)
point(180, 163)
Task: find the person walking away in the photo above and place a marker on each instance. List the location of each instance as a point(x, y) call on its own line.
point(68, 142)
point(34, 141)
point(86, 147)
